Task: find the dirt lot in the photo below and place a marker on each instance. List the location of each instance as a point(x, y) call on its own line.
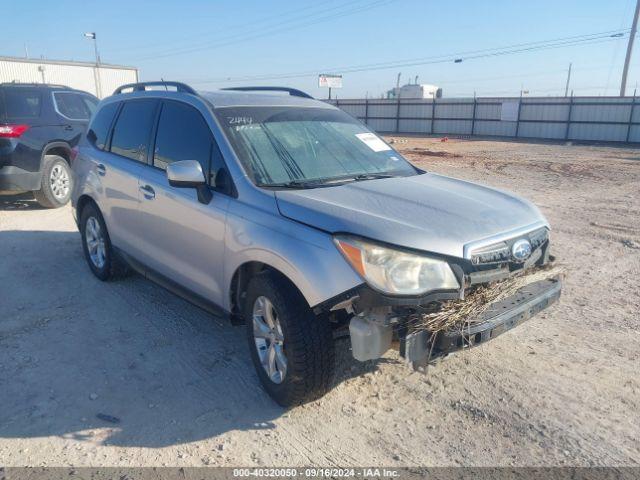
point(563, 388)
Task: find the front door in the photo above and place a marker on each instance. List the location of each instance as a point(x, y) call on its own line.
point(183, 238)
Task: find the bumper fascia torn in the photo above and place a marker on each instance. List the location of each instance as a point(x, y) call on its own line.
point(421, 346)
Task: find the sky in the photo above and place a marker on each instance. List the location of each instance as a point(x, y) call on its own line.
point(222, 43)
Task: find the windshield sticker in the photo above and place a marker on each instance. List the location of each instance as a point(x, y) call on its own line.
point(374, 142)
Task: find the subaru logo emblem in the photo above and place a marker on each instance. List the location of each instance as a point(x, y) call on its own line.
point(521, 250)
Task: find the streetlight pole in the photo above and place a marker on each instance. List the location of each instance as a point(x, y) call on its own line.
point(92, 36)
point(632, 35)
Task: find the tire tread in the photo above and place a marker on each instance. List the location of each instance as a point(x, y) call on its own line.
point(311, 356)
point(116, 267)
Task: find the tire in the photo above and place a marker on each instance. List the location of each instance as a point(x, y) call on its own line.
point(98, 251)
point(305, 340)
point(55, 184)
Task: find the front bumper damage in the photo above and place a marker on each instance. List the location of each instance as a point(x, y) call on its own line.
point(374, 330)
point(421, 346)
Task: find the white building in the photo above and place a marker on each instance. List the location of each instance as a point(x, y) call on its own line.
point(415, 90)
point(100, 81)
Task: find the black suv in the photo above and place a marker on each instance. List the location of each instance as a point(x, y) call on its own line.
point(40, 125)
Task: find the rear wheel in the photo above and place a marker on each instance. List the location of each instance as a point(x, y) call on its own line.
point(55, 184)
point(292, 349)
point(98, 251)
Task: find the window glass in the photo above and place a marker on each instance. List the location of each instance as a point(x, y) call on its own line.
point(19, 102)
point(90, 102)
point(99, 128)
point(182, 135)
point(132, 130)
point(72, 106)
point(218, 174)
point(279, 145)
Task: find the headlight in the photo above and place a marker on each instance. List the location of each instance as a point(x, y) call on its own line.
point(394, 271)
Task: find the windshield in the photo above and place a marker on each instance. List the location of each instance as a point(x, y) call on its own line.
point(295, 147)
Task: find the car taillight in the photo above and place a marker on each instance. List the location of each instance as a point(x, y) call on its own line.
point(12, 131)
point(74, 153)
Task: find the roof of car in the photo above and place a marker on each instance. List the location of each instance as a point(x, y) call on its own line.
point(35, 85)
point(44, 86)
point(222, 98)
point(231, 98)
point(228, 97)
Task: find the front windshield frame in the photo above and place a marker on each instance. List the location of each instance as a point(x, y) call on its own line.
point(232, 117)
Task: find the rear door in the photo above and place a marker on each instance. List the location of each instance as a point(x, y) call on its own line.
point(183, 238)
point(74, 110)
point(118, 162)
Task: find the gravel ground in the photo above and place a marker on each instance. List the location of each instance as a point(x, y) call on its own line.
point(102, 374)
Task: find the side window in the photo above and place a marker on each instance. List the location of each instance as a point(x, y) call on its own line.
point(182, 135)
point(99, 128)
point(133, 129)
point(71, 106)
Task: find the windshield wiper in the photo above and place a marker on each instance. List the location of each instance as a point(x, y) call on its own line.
point(325, 182)
point(372, 176)
point(292, 184)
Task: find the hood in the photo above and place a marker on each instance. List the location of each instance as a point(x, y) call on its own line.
point(426, 212)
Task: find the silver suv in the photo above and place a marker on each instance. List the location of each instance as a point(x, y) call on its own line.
point(288, 215)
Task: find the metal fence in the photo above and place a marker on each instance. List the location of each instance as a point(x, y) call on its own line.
point(609, 119)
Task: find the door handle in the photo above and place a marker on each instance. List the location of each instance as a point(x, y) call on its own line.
point(148, 192)
point(68, 127)
point(101, 169)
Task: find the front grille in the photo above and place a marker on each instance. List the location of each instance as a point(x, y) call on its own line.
point(500, 252)
point(496, 253)
point(538, 237)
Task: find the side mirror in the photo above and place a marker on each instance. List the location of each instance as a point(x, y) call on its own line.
point(189, 174)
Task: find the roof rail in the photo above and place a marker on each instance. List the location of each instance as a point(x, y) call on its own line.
point(142, 86)
point(34, 84)
point(294, 92)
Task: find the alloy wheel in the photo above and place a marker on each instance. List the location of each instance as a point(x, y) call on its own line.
point(269, 339)
point(59, 181)
point(95, 242)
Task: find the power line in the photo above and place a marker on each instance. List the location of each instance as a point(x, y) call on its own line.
point(470, 52)
point(487, 79)
point(536, 90)
point(586, 39)
point(271, 31)
point(218, 32)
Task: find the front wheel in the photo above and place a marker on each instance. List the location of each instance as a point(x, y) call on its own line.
point(292, 349)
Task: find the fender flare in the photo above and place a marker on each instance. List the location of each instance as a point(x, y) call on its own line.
point(49, 146)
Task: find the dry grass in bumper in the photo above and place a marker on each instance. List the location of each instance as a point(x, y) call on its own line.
point(459, 315)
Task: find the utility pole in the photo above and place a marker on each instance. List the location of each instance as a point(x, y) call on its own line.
point(92, 36)
point(566, 88)
point(632, 35)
